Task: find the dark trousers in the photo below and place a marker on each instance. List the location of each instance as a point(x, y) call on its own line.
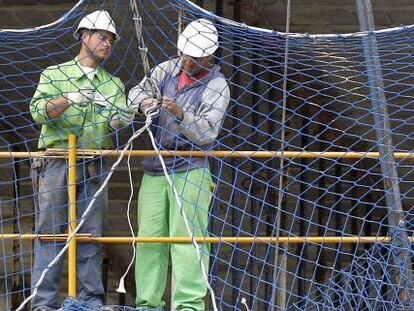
point(52, 218)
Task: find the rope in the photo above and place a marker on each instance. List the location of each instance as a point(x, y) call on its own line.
point(179, 202)
point(121, 286)
point(155, 92)
point(61, 19)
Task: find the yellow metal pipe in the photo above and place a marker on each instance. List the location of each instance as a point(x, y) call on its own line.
point(57, 153)
point(43, 237)
point(241, 240)
point(85, 238)
point(72, 215)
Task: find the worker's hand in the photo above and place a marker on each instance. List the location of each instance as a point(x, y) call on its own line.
point(126, 116)
point(170, 105)
point(149, 106)
point(82, 97)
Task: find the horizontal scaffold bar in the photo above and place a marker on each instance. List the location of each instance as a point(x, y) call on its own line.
point(57, 153)
point(243, 240)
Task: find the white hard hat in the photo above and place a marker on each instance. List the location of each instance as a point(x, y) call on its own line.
point(97, 20)
point(198, 39)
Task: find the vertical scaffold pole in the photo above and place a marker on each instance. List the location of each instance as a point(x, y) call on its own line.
point(398, 232)
point(279, 291)
point(72, 215)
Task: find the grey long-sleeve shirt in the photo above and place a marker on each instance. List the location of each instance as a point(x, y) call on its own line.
point(204, 104)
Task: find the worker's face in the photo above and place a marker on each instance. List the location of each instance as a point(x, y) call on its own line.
point(99, 43)
point(195, 65)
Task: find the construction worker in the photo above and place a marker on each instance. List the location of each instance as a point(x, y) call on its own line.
point(195, 96)
point(77, 97)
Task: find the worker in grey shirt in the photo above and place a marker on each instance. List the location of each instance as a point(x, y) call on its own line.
point(195, 96)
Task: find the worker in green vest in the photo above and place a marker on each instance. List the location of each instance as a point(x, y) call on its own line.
point(76, 97)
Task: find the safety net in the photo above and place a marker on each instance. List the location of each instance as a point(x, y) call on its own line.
point(290, 190)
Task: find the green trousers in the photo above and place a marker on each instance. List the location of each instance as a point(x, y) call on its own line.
point(159, 216)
